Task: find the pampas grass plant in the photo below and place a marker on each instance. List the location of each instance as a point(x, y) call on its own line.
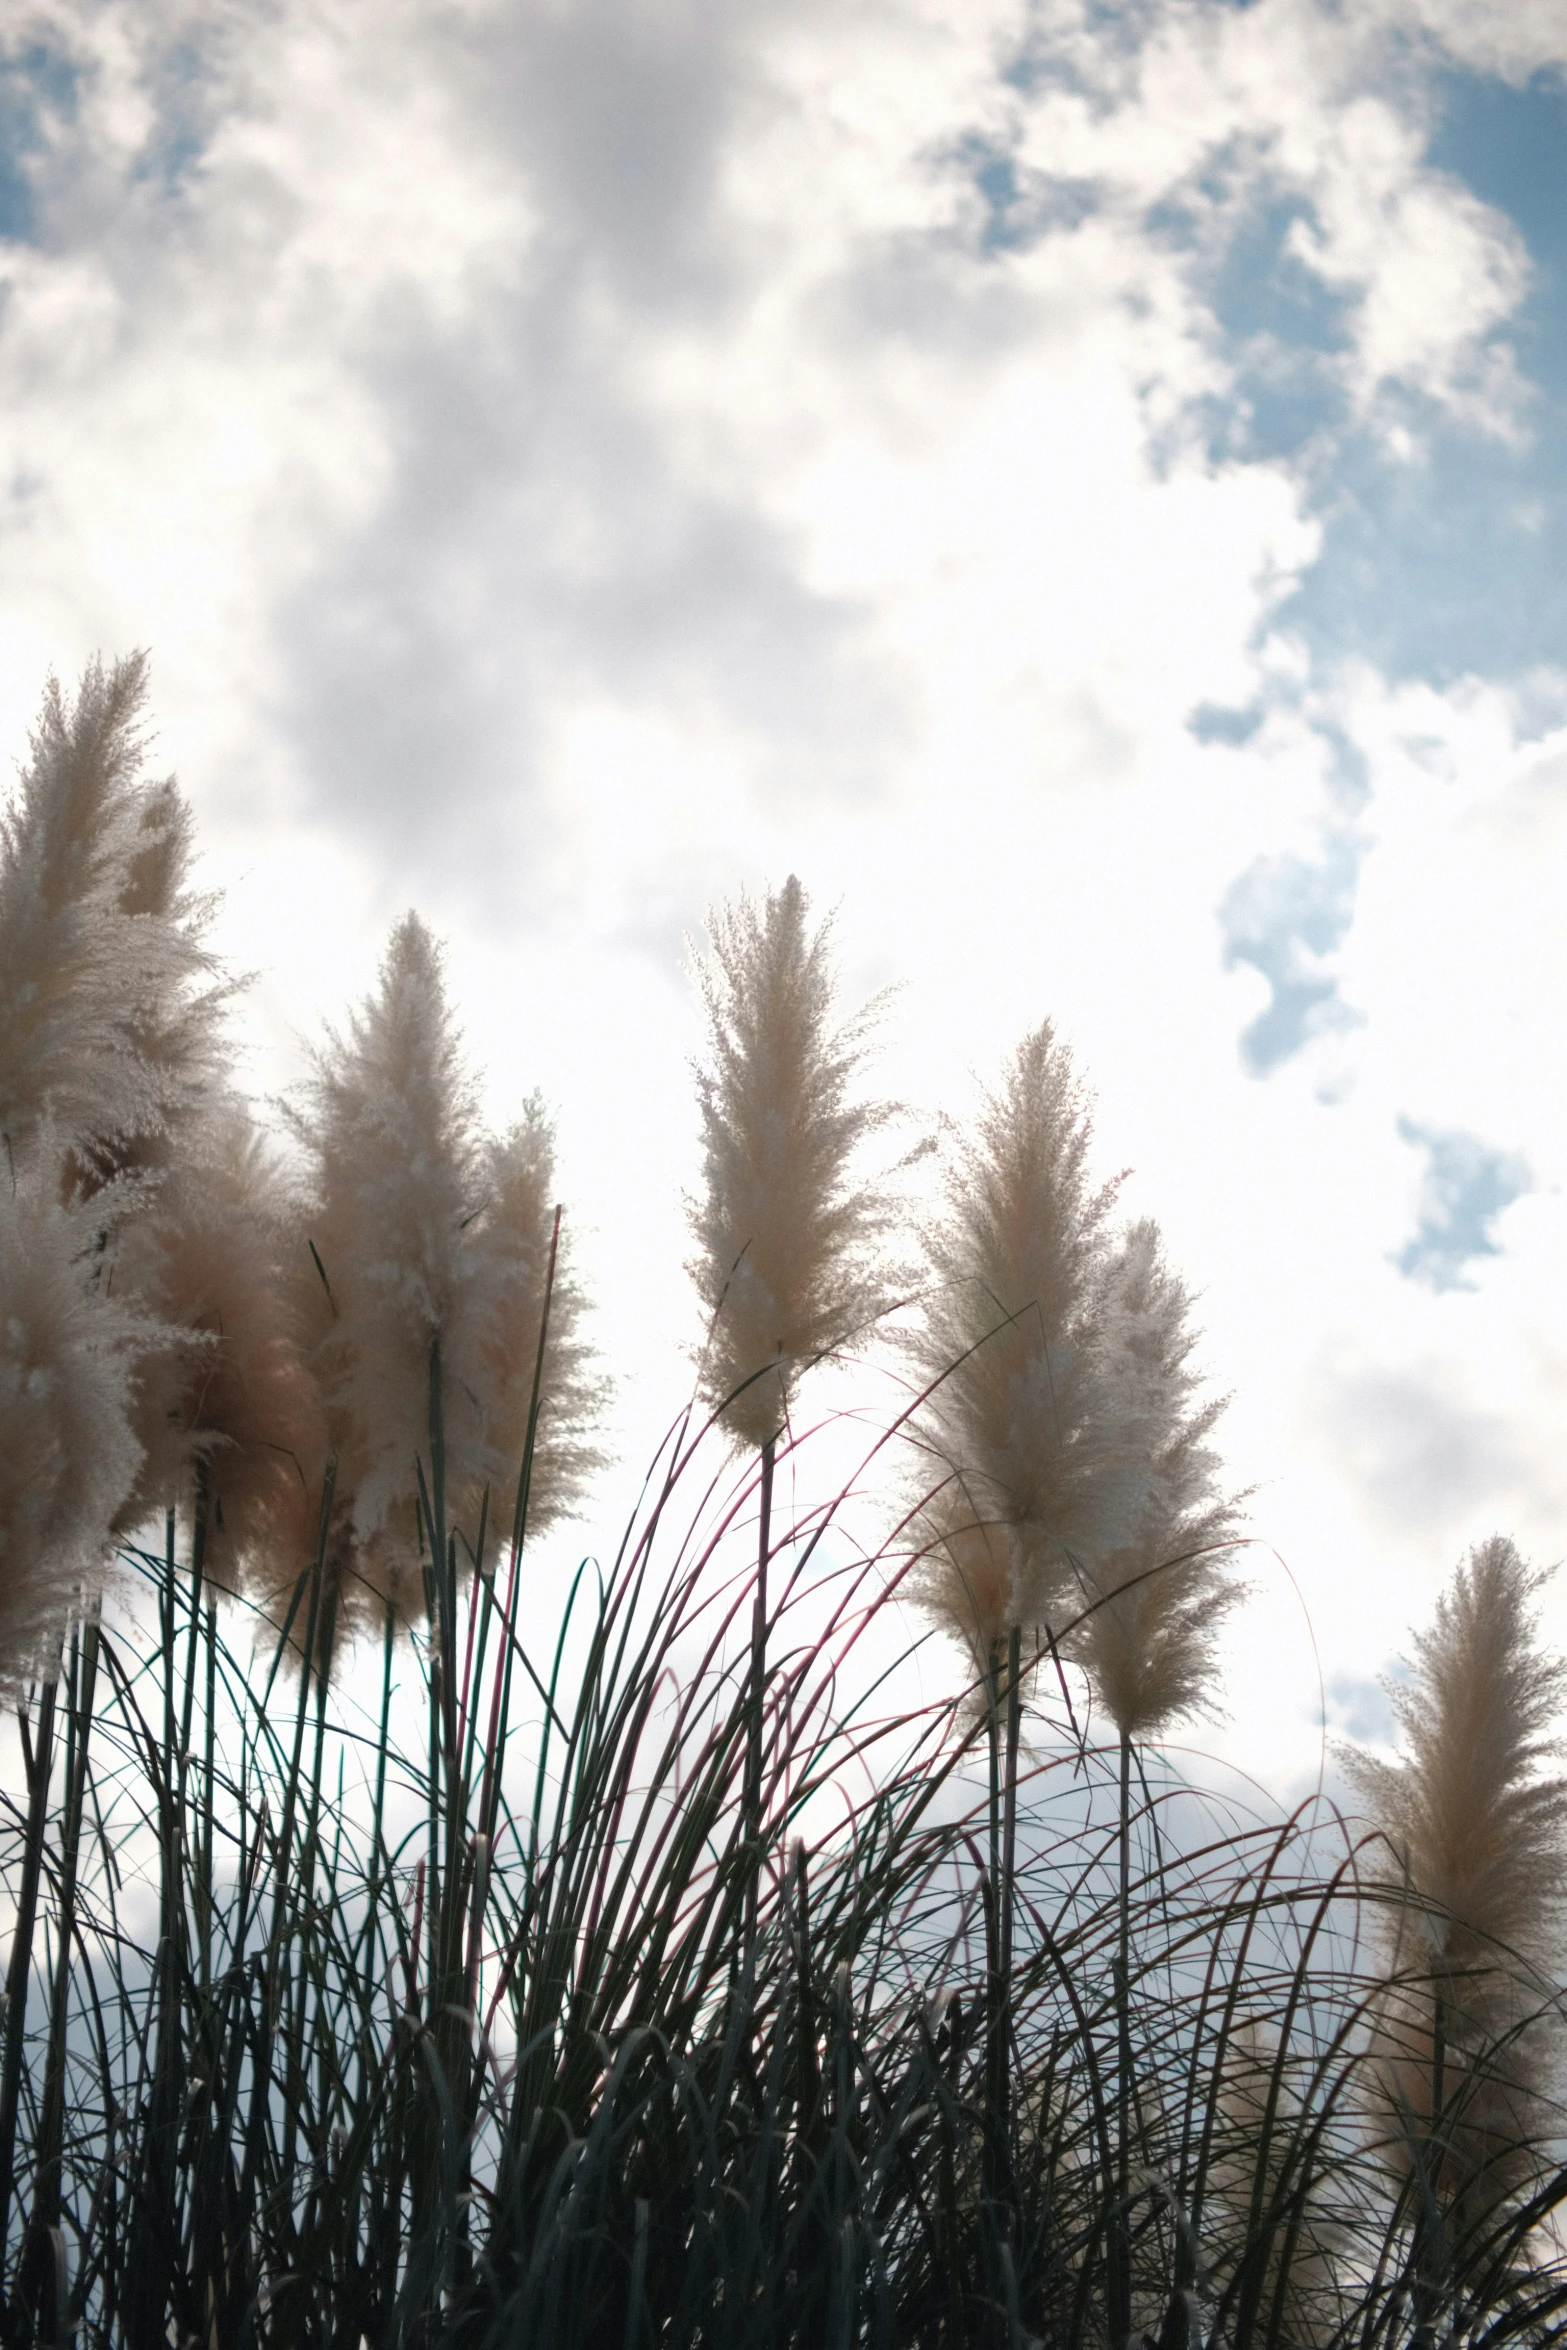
point(1080, 1496)
point(1151, 1603)
point(454, 2000)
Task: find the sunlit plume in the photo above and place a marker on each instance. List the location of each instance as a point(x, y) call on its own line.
point(226, 1410)
point(1473, 1889)
point(787, 1263)
point(68, 1453)
point(494, 1356)
point(176, 1028)
point(422, 1286)
point(388, 1123)
point(1009, 1338)
point(1154, 1602)
point(108, 999)
point(963, 1576)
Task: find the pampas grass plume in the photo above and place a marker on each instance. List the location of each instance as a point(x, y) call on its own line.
point(389, 1127)
point(786, 1263)
point(1481, 1840)
point(223, 1398)
point(101, 966)
point(68, 1454)
point(1009, 1334)
point(963, 1576)
point(495, 1345)
point(1155, 1601)
point(173, 1026)
point(432, 1244)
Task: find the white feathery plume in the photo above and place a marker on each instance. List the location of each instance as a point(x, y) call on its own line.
point(432, 1248)
point(1154, 1601)
point(963, 1576)
point(99, 985)
point(493, 1353)
point(786, 1263)
point(173, 1026)
point(1475, 1895)
point(1010, 1342)
point(223, 1399)
point(68, 1455)
point(388, 1124)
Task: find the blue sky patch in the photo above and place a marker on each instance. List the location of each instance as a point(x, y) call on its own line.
point(1509, 145)
point(1022, 205)
point(1467, 1185)
point(32, 81)
point(1212, 722)
point(1283, 917)
point(1446, 562)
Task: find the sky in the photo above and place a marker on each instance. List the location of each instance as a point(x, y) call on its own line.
point(1083, 485)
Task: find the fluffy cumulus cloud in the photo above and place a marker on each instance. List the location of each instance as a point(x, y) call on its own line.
point(1081, 485)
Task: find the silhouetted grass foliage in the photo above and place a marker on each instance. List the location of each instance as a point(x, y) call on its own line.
point(485, 2018)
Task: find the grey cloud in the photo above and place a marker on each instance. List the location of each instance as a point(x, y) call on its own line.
point(1424, 1460)
point(1467, 1185)
point(619, 118)
point(540, 536)
point(1283, 917)
point(542, 531)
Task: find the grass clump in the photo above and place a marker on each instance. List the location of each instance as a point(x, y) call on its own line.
point(386, 1969)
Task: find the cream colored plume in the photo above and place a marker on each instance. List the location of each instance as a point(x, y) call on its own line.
point(68, 1455)
point(223, 1401)
point(173, 1025)
point(1153, 1602)
point(1474, 1887)
point(431, 1249)
point(494, 1352)
point(786, 1263)
point(108, 999)
point(963, 1575)
point(1010, 1343)
point(388, 1123)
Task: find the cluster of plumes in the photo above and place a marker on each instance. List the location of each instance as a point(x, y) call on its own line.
point(1075, 1495)
point(787, 1267)
point(420, 1305)
point(110, 1048)
point(166, 1339)
point(1474, 1883)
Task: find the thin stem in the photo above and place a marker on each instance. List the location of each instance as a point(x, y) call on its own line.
point(1120, 2241)
point(19, 1971)
point(758, 1694)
